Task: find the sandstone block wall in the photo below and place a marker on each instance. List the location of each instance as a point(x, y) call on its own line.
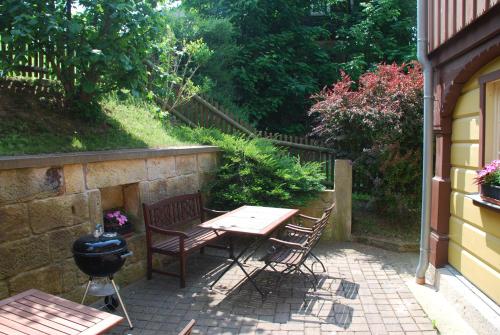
point(48, 201)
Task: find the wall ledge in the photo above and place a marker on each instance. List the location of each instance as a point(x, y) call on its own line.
point(59, 159)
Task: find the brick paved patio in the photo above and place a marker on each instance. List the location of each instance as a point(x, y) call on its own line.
point(364, 292)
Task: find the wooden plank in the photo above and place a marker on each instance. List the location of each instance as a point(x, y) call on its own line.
point(41, 320)
point(63, 309)
point(32, 324)
point(47, 316)
point(10, 331)
point(82, 320)
point(72, 305)
point(103, 326)
point(20, 327)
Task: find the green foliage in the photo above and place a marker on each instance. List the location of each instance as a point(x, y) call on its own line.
point(285, 54)
point(255, 172)
point(280, 62)
point(95, 47)
point(372, 32)
point(215, 76)
point(92, 46)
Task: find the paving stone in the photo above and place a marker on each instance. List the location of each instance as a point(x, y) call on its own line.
point(363, 293)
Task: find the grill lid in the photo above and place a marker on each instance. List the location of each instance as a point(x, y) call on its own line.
point(104, 244)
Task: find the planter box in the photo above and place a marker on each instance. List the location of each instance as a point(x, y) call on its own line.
point(491, 193)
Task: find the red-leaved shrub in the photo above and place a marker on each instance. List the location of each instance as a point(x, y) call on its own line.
point(377, 123)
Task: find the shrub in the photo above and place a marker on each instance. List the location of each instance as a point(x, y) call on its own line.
point(255, 172)
point(378, 125)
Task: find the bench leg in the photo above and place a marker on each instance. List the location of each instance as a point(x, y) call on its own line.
point(149, 273)
point(183, 271)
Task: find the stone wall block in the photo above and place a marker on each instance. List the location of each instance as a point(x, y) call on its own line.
point(95, 207)
point(69, 275)
point(183, 185)
point(27, 184)
point(159, 189)
point(61, 240)
point(185, 164)
point(23, 255)
point(131, 273)
point(14, 222)
point(4, 290)
point(207, 162)
point(105, 174)
point(161, 168)
point(47, 279)
point(64, 211)
point(74, 181)
point(137, 244)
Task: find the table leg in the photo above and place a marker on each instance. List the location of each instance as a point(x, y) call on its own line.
point(234, 262)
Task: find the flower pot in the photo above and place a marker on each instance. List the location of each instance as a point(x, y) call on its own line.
point(113, 227)
point(491, 193)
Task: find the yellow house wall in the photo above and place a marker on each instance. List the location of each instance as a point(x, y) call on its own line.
point(474, 247)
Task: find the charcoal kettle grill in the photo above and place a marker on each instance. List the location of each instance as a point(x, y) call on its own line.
point(100, 255)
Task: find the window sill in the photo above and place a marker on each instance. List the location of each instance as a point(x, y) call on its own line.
point(478, 201)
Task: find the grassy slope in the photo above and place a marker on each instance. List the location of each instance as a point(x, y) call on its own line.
point(127, 124)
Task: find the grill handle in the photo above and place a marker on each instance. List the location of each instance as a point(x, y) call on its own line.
point(127, 254)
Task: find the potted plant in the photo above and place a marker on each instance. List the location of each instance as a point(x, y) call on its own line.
point(116, 221)
point(489, 180)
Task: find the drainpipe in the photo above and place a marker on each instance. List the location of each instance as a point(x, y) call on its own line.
point(422, 44)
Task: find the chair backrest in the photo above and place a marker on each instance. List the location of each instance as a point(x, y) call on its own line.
point(188, 329)
point(173, 211)
point(319, 227)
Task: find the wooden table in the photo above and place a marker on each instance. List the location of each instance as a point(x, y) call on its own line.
point(37, 313)
point(251, 221)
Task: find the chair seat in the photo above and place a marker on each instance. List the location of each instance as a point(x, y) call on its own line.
point(297, 237)
point(285, 256)
point(197, 238)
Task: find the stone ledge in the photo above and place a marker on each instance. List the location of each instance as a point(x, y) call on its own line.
point(59, 159)
point(387, 244)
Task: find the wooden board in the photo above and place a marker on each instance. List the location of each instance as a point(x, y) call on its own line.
point(37, 313)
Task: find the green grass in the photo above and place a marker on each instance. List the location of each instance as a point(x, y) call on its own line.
point(123, 124)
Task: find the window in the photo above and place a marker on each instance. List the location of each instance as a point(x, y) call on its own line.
point(490, 117)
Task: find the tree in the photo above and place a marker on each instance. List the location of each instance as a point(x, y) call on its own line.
point(280, 62)
point(285, 54)
point(92, 46)
point(370, 32)
point(378, 125)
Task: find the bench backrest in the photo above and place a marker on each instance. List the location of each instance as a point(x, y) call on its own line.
point(174, 211)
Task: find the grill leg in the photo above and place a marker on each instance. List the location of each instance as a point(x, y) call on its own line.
point(122, 304)
point(87, 289)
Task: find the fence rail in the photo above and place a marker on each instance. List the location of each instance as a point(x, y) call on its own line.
point(201, 111)
point(37, 65)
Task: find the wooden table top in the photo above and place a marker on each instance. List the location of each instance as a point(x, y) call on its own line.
point(251, 220)
point(37, 313)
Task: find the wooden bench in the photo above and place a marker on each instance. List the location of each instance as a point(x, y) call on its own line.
point(37, 313)
point(169, 217)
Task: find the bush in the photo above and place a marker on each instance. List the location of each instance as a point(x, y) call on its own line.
point(379, 127)
point(255, 172)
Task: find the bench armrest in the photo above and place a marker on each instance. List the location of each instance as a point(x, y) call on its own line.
point(291, 245)
point(168, 232)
